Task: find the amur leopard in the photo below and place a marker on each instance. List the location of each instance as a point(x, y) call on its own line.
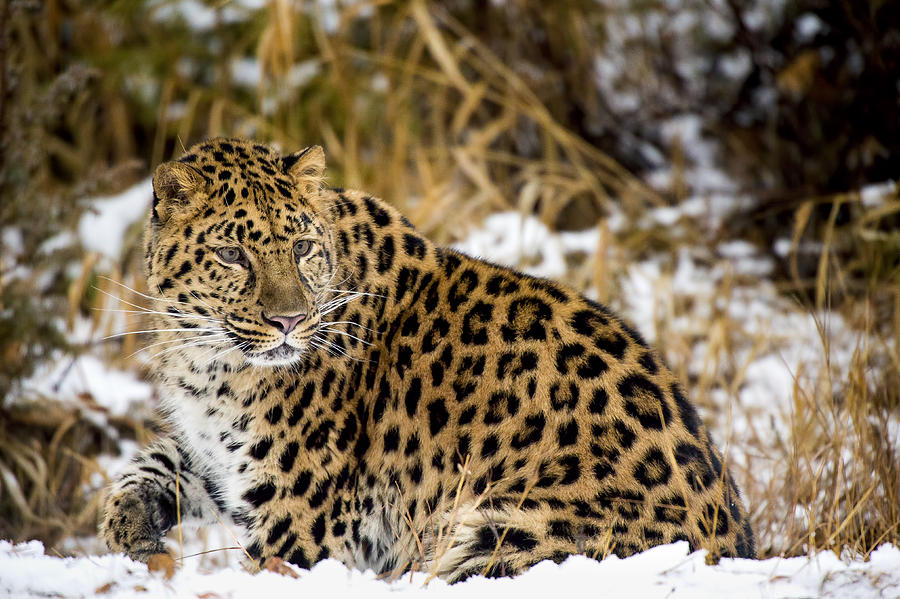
point(338, 386)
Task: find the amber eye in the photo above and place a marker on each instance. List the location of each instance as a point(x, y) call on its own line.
point(302, 248)
point(232, 255)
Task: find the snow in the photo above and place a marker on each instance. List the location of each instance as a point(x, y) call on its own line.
point(876, 195)
point(525, 242)
point(12, 245)
point(115, 391)
point(200, 17)
point(302, 73)
point(665, 571)
point(246, 71)
point(808, 26)
point(103, 225)
point(63, 240)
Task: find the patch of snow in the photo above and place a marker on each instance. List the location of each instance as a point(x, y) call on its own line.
point(285, 92)
point(327, 12)
point(60, 241)
point(640, 285)
point(808, 26)
point(782, 247)
point(524, 242)
point(736, 65)
point(746, 259)
point(103, 225)
point(702, 169)
point(13, 245)
point(666, 216)
point(737, 248)
point(511, 238)
point(112, 465)
point(197, 15)
point(13, 242)
point(116, 391)
point(303, 72)
point(876, 195)
point(380, 83)
point(12, 248)
point(201, 17)
point(176, 110)
point(666, 571)
point(246, 71)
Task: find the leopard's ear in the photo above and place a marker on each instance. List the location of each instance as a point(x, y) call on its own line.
point(306, 167)
point(176, 186)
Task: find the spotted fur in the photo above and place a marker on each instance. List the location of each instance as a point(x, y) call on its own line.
point(426, 407)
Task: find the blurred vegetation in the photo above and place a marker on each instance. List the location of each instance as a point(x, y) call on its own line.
point(452, 110)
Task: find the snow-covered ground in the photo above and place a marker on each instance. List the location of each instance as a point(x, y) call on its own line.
point(663, 572)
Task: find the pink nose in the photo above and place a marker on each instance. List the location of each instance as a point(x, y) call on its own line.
point(285, 324)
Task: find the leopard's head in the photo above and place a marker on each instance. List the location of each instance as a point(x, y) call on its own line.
point(240, 252)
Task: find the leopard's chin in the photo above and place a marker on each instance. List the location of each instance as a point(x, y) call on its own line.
point(283, 355)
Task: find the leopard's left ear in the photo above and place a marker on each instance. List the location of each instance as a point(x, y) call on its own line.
point(306, 167)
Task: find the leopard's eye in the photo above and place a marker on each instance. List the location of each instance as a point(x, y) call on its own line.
point(232, 255)
point(302, 248)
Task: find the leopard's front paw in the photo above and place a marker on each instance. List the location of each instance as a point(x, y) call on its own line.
point(132, 525)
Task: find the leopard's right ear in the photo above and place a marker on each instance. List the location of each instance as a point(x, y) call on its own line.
point(176, 185)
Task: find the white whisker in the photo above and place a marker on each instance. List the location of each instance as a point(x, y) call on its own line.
point(350, 322)
point(197, 330)
point(169, 314)
point(356, 292)
point(119, 299)
point(200, 343)
point(335, 347)
point(323, 348)
point(146, 309)
point(335, 304)
point(157, 299)
point(345, 334)
point(216, 337)
point(221, 353)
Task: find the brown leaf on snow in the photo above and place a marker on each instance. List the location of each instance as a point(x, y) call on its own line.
point(277, 565)
point(162, 562)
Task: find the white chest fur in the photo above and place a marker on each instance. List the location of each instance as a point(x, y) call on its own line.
point(206, 424)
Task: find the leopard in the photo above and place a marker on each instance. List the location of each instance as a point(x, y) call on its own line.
point(335, 385)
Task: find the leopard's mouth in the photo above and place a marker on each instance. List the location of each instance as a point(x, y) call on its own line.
point(270, 350)
point(281, 355)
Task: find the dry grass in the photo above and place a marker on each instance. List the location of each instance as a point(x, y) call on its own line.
point(837, 472)
point(413, 105)
point(48, 461)
point(823, 471)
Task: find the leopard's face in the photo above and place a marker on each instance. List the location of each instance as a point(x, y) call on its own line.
point(239, 246)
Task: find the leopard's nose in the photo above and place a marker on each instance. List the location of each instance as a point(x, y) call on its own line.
point(285, 324)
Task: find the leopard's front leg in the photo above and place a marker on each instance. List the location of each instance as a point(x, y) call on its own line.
point(141, 504)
